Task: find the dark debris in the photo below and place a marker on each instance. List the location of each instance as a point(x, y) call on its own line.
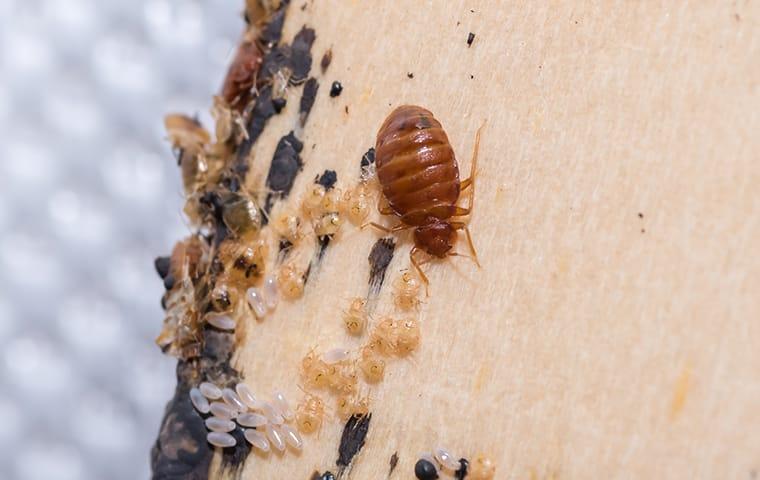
point(335, 89)
point(352, 440)
point(470, 39)
point(286, 163)
point(326, 60)
point(308, 96)
point(379, 258)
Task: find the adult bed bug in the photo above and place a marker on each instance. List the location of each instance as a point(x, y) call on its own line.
point(419, 176)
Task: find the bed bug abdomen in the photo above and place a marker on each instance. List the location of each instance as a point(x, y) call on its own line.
point(416, 166)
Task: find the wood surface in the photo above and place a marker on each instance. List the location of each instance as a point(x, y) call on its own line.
point(614, 328)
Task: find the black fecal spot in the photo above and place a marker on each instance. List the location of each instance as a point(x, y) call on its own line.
point(327, 179)
point(163, 302)
point(162, 266)
point(278, 104)
point(262, 111)
point(322, 243)
point(352, 440)
point(641, 215)
point(285, 245)
point(379, 258)
point(470, 39)
point(326, 60)
point(425, 470)
point(169, 282)
point(335, 89)
point(393, 463)
point(368, 158)
point(308, 96)
point(286, 164)
point(462, 471)
point(272, 33)
point(181, 450)
point(410, 75)
point(301, 55)
point(233, 457)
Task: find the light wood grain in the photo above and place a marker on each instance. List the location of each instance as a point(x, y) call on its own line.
point(593, 343)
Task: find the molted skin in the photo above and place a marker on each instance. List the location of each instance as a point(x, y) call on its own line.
point(419, 176)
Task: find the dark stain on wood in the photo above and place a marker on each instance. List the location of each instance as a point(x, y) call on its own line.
point(379, 258)
point(352, 440)
point(461, 473)
point(286, 163)
point(326, 60)
point(308, 96)
point(393, 463)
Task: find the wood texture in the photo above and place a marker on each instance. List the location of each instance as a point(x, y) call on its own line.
point(614, 329)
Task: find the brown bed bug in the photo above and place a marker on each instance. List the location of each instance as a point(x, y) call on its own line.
point(419, 177)
point(241, 75)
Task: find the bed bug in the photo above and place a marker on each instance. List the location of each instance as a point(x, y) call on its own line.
point(407, 288)
point(419, 176)
point(238, 84)
point(372, 365)
point(189, 138)
point(355, 318)
point(309, 413)
point(482, 468)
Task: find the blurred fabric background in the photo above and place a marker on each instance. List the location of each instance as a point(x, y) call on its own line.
point(90, 195)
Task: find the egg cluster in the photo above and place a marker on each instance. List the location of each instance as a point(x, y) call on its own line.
point(266, 425)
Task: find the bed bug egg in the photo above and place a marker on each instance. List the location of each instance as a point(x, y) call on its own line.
point(291, 435)
point(482, 468)
point(221, 321)
point(246, 396)
point(275, 437)
point(408, 337)
point(407, 289)
point(282, 405)
point(221, 439)
point(256, 301)
point(199, 401)
point(271, 413)
point(355, 318)
point(222, 410)
point(210, 391)
point(290, 281)
point(271, 297)
point(252, 419)
point(336, 355)
point(309, 414)
point(230, 397)
point(257, 439)
point(371, 365)
point(446, 459)
point(216, 424)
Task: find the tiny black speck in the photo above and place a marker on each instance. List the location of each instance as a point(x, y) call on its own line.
point(472, 76)
point(470, 38)
point(641, 215)
point(424, 470)
point(410, 75)
point(643, 231)
point(335, 89)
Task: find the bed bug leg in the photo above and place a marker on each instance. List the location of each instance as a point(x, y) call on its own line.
point(418, 266)
point(463, 226)
point(470, 182)
point(385, 229)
